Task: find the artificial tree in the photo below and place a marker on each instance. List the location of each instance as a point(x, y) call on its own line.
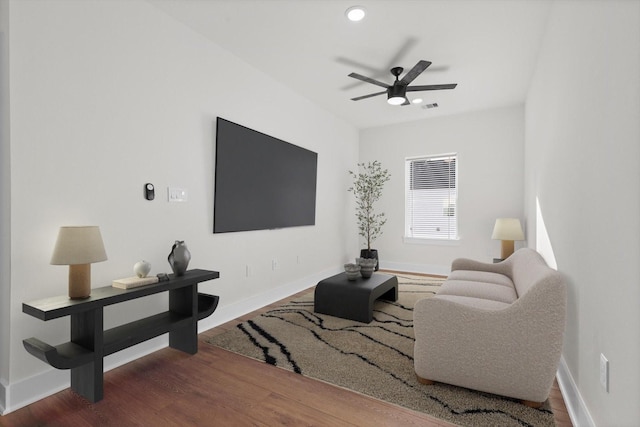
point(367, 188)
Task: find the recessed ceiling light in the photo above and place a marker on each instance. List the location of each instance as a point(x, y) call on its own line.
point(355, 13)
point(417, 101)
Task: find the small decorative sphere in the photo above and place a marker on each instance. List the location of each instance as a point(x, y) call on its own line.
point(142, 268)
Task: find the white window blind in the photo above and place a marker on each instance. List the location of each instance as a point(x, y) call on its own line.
point(431, 197)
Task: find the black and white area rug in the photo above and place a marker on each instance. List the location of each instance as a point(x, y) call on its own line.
point(375, 359)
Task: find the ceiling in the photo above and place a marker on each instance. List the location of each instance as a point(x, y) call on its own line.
point(487, 47)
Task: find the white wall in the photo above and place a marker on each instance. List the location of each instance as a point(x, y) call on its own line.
point(5, 169)
point(490, 168)
point(106, 96)
point(583, 164)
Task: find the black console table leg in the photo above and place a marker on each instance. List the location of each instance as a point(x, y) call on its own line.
point(87, 331)
point(87, 382)
point(184, 301)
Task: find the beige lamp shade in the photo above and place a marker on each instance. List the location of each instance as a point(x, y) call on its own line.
point(507, 230)
point(78, 247)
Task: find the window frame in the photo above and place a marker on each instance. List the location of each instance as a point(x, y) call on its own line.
point(408, 236)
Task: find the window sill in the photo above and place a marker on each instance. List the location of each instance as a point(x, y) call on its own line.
point(434, 242)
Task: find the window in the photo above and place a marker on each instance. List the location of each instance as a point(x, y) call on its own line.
point(431, 194)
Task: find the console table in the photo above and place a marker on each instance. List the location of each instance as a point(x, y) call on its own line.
point(90, 343)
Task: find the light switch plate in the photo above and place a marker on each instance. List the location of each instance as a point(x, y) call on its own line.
point(177, 194)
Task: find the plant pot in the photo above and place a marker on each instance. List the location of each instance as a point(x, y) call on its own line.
point(371, 254)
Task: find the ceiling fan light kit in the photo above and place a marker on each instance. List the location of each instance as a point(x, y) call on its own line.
point(397, 95)
point(397, 92)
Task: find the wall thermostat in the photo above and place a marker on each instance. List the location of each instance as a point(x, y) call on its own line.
point(149, 191)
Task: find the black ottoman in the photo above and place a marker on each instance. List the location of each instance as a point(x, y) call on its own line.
point(337, 296)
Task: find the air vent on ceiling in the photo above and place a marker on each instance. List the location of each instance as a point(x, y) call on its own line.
point(427, 106)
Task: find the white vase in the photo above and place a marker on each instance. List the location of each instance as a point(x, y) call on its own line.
point(142, 268)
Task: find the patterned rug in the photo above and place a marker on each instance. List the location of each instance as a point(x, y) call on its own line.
point(375, 359)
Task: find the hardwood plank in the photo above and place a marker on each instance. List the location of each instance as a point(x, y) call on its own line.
point(276, 410)
point(305, 391)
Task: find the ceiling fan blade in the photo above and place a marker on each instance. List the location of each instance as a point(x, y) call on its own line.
point(368, 80)
point(415, 71)
point(371, 70)
point(406, 102)
point(355, 64)
point(431, 87)
point(402, 52)
point(358, 98)
point(377, 72)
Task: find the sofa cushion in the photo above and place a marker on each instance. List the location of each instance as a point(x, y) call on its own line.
point(481, 276)
point(488, 291)
point(481, 303)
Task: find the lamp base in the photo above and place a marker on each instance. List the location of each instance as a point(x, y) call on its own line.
point(506, 250)
point(79, 281)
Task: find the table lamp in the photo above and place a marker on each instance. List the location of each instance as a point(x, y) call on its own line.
point(78, 247)
point(507, 230)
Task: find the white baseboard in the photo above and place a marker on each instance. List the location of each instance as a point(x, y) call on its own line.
point(3, 396)
point(440, 270)
point(230, 312)
point(44, 384)
point(578, 411)
point(34, 388)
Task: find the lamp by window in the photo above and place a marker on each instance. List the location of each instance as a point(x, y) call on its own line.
point(507, 230)
point(78, 247)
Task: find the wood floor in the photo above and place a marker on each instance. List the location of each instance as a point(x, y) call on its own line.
point(219, 388)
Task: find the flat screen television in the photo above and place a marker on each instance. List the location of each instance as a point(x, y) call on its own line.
point(261, 182)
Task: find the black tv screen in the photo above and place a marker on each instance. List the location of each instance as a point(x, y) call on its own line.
point(261, 182)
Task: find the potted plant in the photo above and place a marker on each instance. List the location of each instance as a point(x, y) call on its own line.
point(367, 188)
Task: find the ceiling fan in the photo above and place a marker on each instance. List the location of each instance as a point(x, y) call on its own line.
point(397, 92)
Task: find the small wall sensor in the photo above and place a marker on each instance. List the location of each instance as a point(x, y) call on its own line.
point(149, 191)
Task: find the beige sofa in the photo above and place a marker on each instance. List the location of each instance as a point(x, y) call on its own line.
point(496, 328)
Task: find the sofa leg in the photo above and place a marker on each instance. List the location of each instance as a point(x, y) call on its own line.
point(424, 381)
point(530, 404)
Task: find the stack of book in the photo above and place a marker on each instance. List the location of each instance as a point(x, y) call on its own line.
point(134, 282)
